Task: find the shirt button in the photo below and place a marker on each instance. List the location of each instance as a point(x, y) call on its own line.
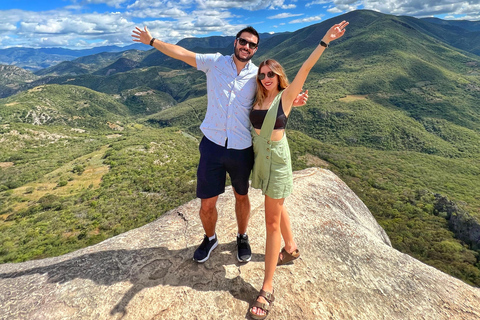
point(268, 149)
point(268, 141)
point(268, 157)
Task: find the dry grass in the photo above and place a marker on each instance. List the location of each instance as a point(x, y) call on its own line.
point(353, 97)
point(6, 164)
point(91, 177)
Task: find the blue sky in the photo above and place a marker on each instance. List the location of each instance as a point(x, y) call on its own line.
point(80, 24)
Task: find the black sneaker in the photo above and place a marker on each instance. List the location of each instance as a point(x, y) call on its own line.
point(244, 253)
point(203, 251)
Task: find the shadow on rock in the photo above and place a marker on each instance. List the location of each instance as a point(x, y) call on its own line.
point(151, 267)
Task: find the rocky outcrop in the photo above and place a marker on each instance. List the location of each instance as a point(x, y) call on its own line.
point(10, 75)
point(348, 269)
point(464, 226)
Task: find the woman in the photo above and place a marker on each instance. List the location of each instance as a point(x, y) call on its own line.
point(272, 171)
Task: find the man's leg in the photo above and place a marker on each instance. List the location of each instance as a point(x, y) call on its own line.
point(210, 183)
point(242, 211)
point(239, 166)
point(209, 215)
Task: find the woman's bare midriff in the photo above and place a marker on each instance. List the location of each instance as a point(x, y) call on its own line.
point(277, 134)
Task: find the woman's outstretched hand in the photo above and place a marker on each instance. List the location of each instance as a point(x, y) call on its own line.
point(301, 99)
point(335, 32)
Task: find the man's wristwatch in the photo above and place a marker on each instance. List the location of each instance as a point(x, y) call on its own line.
point(324, 44)
point(151, 41)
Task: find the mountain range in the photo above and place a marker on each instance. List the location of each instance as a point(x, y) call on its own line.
point(97, 145)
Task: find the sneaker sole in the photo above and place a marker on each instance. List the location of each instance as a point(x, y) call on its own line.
point(241, 260)
point(208, 255)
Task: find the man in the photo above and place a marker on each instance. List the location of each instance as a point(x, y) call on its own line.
point(226, 145)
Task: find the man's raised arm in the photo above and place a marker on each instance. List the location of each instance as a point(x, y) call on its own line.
point(171, 50)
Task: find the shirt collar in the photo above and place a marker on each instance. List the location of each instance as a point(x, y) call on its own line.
point(247, 66)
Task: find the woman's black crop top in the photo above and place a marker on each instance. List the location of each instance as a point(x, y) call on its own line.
point(258, 116)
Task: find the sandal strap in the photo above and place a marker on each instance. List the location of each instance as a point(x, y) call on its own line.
point(264, 306)
point(267, 295)
point(285, 257)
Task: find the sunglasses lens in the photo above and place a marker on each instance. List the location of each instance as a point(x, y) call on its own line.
point(261, 76)
point(270, 74)
point(243, 42)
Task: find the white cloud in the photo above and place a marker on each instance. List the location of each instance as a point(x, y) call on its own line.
point(245, 4)
point(334, 10)
point(312, 3)
point(425, 8)
point(111, 3)
point(53, 42)
point(416, 8)
point(84, 24)
point(62, 28)
point(158, 13)
point(7, 27)
point(285, 15)
point(309, 19)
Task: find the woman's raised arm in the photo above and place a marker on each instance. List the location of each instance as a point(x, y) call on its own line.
point(295, 87)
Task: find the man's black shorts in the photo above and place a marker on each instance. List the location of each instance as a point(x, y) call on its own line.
point(215, 162)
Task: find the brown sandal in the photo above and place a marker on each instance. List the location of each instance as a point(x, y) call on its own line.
point(264, 306)
point(284, 257)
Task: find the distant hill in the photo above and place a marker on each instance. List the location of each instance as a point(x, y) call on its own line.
point(464, 24)
point(12, 78)
point(14, 75)
point(34, 59)
point(90, 64)
point(121, 65)
point(68, 105)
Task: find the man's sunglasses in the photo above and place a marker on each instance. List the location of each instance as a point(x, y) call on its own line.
point(270, 74)
point(243, 42)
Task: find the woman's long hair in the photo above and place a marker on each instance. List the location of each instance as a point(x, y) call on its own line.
point(282, 80)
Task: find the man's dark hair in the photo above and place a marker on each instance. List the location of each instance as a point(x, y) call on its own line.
point(251, 30)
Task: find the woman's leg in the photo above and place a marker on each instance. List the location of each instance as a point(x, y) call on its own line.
point(273, 213)
point(287, 233)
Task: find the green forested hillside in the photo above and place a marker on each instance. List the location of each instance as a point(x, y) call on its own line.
point(393, 111)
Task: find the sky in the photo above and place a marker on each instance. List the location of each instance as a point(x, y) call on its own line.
point(82, 24)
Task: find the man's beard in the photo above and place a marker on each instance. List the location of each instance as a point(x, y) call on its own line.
point(237, 55)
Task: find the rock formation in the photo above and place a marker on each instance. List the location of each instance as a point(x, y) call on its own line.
point(348, 269)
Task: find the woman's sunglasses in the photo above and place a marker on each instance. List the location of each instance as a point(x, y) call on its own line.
point(270, 74)
point(252, 45)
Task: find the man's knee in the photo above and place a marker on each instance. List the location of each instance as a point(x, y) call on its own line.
point(241, 197)
point(208, 205)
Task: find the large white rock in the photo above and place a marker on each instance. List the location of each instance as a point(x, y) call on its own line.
point(347, 270)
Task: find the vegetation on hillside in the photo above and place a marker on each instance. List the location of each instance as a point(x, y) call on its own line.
point(112, 187)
